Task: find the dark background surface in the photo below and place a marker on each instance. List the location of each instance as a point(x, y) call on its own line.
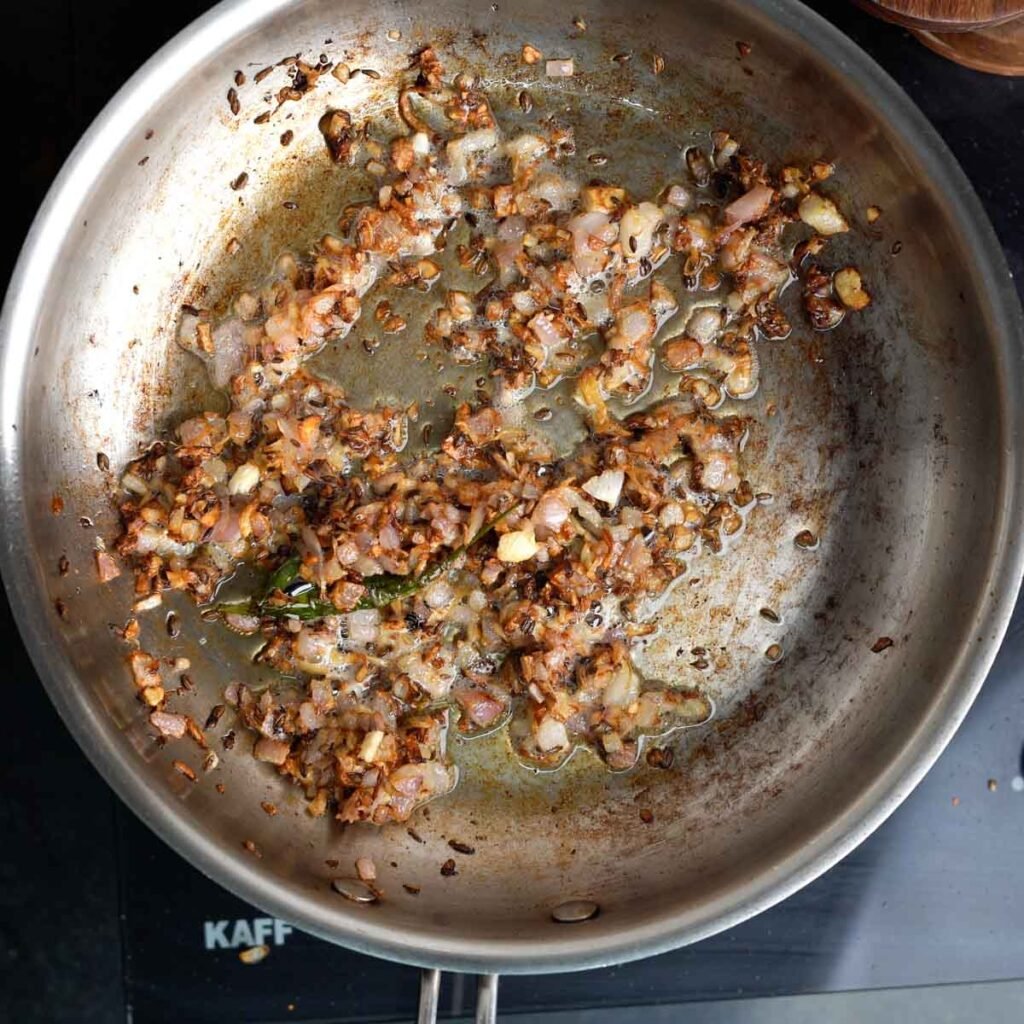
point(97, 916)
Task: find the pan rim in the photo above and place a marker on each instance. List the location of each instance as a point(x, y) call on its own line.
point(572, 949)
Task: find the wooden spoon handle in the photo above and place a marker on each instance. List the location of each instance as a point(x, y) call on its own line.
point(945, 15)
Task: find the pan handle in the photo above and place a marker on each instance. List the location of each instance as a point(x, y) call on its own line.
point(486, 998)
point(430, 990)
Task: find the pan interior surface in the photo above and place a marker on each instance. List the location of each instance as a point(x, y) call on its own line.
point(891, 439)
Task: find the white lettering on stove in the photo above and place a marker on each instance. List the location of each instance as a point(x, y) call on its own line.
point(260, 931)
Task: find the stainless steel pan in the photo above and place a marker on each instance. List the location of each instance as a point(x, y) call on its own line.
point(897, 440)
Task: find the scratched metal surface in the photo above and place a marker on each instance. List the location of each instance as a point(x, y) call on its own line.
point(884, 444)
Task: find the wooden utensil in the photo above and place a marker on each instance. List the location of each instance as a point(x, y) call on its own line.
point(946, 15)
point(987, 35)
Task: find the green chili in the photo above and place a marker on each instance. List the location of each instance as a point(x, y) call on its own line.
point(303, 603)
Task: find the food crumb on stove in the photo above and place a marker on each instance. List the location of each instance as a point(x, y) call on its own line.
point(412, 890)
point(61, 608)
point(228, 740)
point(530, 54)
point(332, 862)
point(448, 868)
point(56, 504)
point(873, 213)
point(254, 954)
point(646, 815)
point(883, 643)
point(366, 869)
point(459, 847)
point(252, 848)
point(221, 788)
point(215, 715)
point(63, 565)
point(993, 785)
point(233, 103)
point(210, 762)
point(955, 801)
point(241, 181)
point(743, 49)
point(413, 834)
point(268, 808)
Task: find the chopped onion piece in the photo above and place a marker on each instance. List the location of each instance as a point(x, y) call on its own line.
point(147, 604)
point(551, 512)
point(171, 726)
point(551, 734)
point(850, 288)
point(822, 214)
point(371, 745)
point(704, 324)
point(134, 484)
point(244, 479)
point(363, 626)
point(272, 751)
point(559, 69)
point(106, 567)
point(678, 197)
point(606, 486)
point(438, 595)
point(518, 545)
point(748, 207)
point(241, 623)
point(636, 230)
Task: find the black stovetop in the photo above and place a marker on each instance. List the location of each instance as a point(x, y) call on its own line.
point(99, 921)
